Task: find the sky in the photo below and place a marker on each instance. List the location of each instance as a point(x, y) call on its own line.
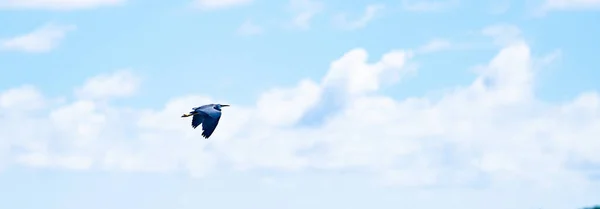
point(334, 104)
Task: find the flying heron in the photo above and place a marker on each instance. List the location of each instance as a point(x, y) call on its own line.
point(207, 115)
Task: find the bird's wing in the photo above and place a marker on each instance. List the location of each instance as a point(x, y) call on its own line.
point(203, 107)
point(210, 122)
point(209, 125)
point(197, 120)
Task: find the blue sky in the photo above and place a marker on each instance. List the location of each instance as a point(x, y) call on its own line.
point(91, 93)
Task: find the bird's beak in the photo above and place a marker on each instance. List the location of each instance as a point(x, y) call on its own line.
point(225, 105)
point(186, 115)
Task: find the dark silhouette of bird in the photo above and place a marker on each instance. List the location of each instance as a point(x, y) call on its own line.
point(207, 115)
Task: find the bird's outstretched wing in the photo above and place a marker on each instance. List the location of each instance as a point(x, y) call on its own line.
point(197, 120)
point(210, 122)
point(209, 125)
point(202, 107)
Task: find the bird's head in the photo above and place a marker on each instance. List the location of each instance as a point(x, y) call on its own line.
point(219, 106)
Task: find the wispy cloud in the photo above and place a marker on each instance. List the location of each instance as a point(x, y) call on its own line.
point(435, 45)
point(120, 83)
point(219, 4)
point(562, 5)
point(369, 14)
point(304, 11)
point(503, 34)
point(43, 39)
point(57, 4)
point(428, 6)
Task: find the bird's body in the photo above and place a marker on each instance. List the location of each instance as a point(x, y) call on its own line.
point(207, 115)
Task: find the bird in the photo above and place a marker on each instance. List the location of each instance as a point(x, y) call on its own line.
point(207, 115)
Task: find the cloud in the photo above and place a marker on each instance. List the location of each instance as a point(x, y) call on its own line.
point(57, 4)
point(248, 28)
point(220, 4)
point(428, 6)
point(370, 13)
point(558, 5)
point(503, 34)
point(43, 39)
point(122, 83)
point(25, 98)
point(353, 75)
point(435, 45)
point(493, 130)
point(304, 11)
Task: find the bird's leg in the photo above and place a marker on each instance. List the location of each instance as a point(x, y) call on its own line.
point(187, 114)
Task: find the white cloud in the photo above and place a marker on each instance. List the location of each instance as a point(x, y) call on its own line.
point(58, 4)
point(121, 83)
point(220, 4)
point(503, 34)
point(494, 128)
point(24, 97)
point(428, 6)
point(304, 11)
point(43, 39)
point(370, 13)
point(554, 5)
point(249, 28)
point(355, 76)
point(435, 46)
